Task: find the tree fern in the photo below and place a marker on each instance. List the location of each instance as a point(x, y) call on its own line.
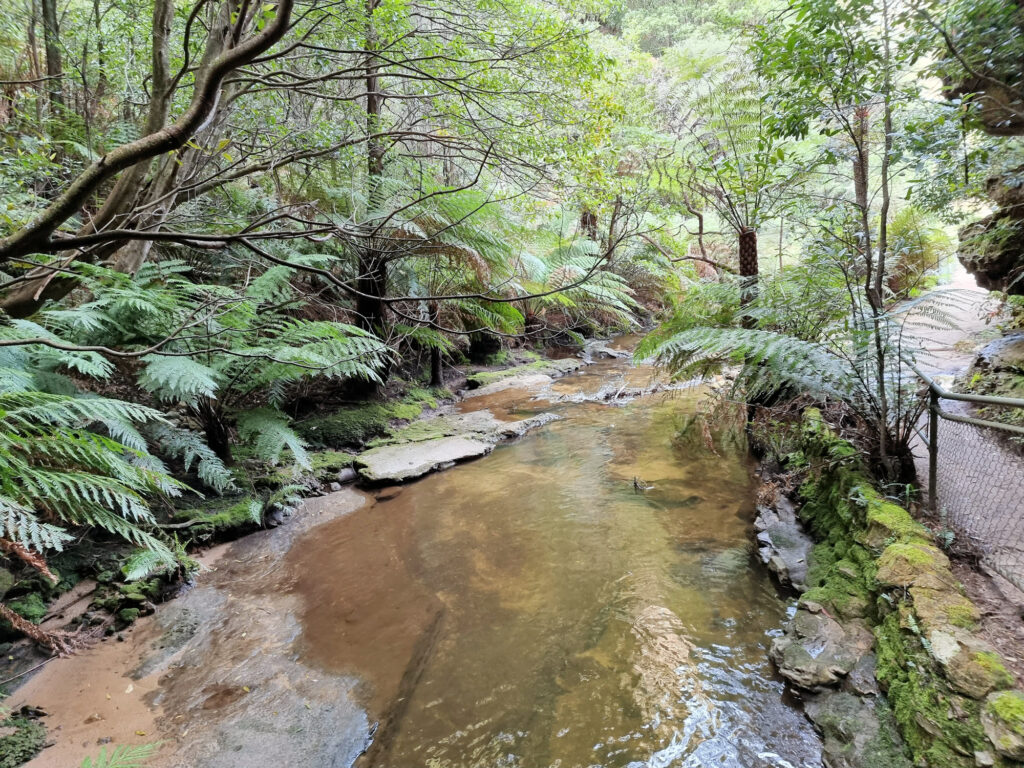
point(270, 435)
point(193, 452)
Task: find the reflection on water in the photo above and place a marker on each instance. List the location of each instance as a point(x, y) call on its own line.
point(533, 610)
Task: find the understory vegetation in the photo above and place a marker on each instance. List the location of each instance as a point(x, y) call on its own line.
point(239, 242)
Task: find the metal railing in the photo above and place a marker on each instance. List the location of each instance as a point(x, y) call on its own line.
point(976, 476)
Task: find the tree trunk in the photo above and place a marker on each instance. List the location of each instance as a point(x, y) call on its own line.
point(748, 272)
point(372, 281)
point(588, 223)
point(436, 374)
point(51, 41)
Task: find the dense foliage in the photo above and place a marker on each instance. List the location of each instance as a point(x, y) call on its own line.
point(217, 217)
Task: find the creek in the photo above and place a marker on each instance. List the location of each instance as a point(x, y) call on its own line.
point(536, 608)
point(583, 597)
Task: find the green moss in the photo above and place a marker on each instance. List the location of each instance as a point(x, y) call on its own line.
point(428, 429)
point(25, 743)
point(1008, 706)
point(222, 516)
point(354, 426)
point(128, 615)
point(963, 616)
point(853, 523)
point(347, 427)
point(838, 584)
point(329, 461)
point(887, 522)
point(550, 367)
point(939, 726)
point(30, 606)
point(993, 664)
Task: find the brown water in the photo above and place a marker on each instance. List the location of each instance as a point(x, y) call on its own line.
point(533, 610)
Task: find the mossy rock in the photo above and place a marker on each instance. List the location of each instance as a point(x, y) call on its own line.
point(129, 615)
point(1002, 717)
point(327, 464)
point(354, 426)
point(941, 728)
point(31, 607)
point(7, 581)
point(972, 667)
point(887, 523)
point(857, 731)
point(841, 588)
point(23, 744)
point(225, 515)
point(546, 367)
point(906, 564)
point(941, 609)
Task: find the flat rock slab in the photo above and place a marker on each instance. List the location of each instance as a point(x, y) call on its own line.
point(519, 381)
point(407, 461)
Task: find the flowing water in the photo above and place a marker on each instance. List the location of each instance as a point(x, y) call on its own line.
point(534, 609)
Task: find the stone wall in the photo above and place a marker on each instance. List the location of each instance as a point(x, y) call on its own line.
point(882, 643)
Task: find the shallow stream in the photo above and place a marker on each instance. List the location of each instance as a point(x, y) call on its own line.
point(535, 609)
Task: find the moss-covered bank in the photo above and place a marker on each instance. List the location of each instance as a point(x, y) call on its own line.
point(950, 693)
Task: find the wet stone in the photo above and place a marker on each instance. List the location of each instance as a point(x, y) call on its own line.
point(855, 735)
point(818, 651)
point(784, 547)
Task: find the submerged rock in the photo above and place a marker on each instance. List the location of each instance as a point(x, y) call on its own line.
point(783, 545)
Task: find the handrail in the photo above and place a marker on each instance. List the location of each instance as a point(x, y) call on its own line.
point(945, 394)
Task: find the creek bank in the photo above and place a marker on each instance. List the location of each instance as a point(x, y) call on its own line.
point(879, 602)
point(217, 658)
point(417, 433)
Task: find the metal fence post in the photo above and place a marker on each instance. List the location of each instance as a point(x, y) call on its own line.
point(933, 452)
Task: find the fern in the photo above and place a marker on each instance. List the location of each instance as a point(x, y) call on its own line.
point(122, 757)
point(178, 378)
point(144, 562)
point(55, 472)
point(270, 434)
point(187, 446)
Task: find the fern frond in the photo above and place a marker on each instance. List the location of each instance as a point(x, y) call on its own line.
point(268, 432)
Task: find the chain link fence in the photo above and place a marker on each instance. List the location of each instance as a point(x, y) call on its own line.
point(973, 470)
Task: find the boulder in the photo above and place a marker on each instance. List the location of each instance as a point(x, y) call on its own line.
point(906, 564)
point(1002, 717)
point(943, 608)
point(970, 664)
point(857, 731)
point(817, 651)
point(992, 250)
point(783, 545)
point(1005, 354)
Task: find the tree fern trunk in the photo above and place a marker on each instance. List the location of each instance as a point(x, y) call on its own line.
point(748, 272)
point(215, 427)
